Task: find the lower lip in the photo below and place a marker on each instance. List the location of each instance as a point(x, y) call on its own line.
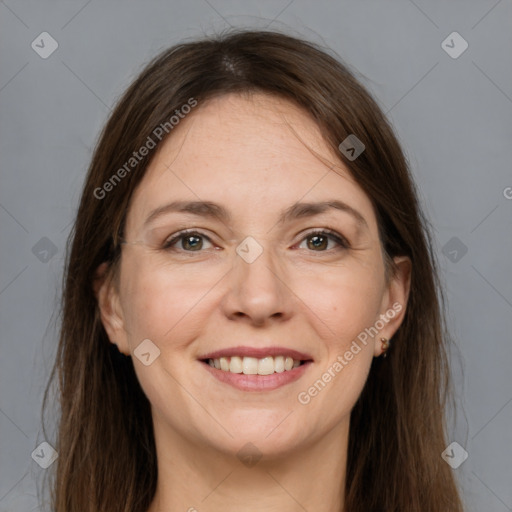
point(258, 382)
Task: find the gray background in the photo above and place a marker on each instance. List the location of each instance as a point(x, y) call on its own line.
point(453, 117)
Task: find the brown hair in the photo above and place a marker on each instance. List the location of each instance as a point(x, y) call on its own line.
point(107, 458)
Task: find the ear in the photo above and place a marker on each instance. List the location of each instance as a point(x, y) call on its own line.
point(111, 313)
point(394, 302)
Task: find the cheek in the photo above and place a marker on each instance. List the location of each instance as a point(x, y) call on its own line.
point(344, 301)
point(160, 299)
point(342, 306)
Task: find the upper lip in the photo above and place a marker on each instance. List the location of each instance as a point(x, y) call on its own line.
point(258, 352)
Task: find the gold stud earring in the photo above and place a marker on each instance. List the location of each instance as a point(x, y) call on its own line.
point(385, 346)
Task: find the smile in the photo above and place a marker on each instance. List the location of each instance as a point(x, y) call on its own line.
point(256, 369)
point(253, 366)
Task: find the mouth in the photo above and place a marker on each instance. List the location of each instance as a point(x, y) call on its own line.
point(254, 366)
point(250, 369)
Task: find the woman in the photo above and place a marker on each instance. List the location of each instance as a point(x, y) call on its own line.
point(250, 314)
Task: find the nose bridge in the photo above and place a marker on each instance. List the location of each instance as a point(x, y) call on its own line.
point(257, 289)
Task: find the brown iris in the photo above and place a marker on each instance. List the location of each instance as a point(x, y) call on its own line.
point(317, 242)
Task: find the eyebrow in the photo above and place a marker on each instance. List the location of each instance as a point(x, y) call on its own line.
point(213, 210)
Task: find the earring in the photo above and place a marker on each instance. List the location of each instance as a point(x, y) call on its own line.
point(385, 346)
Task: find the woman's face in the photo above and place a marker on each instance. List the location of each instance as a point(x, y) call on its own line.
point(252, 282)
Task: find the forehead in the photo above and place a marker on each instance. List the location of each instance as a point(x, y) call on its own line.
point(249, 153)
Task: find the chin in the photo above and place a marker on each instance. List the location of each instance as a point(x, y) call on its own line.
point(264, 436)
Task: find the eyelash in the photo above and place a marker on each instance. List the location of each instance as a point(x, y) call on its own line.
point(333, 235)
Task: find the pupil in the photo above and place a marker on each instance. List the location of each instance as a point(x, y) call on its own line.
point(318, 241)
point(195, 244)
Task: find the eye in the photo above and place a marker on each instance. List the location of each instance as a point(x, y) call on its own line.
point(191, 241)
point(318, 241)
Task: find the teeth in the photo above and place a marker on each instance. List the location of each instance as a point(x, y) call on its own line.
point(254, 366)
point(266, 366)
point(235, 365)
point(279, 364)
point(249, 366)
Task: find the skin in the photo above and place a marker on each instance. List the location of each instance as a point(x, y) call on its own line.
point(255, 155)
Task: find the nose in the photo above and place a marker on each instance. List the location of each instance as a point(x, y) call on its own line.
point(258, 292)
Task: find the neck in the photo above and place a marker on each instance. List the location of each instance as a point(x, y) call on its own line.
point(196, 478)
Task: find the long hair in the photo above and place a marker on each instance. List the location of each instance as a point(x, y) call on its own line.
point(107, 456)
